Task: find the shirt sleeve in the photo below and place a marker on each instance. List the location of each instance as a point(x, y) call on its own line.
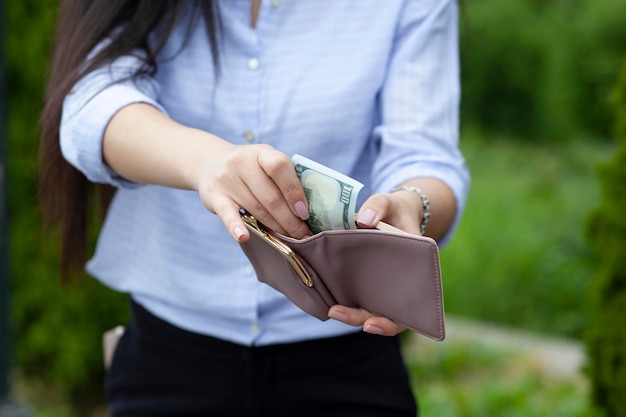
point(419, 132)
point(89, 107)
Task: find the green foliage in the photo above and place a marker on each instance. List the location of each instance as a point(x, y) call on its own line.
point(606, 349)
point(519, 256)
point(541, 69)
point(58, 329)
point(605, 338)
point(471, 379)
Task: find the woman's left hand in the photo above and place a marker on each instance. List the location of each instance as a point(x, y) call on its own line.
point(402, 209)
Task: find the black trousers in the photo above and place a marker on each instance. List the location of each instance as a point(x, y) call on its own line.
point(161, 370)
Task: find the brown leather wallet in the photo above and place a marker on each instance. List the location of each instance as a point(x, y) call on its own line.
point(390, 273)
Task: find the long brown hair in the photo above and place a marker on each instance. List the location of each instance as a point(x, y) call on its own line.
point(66, 196)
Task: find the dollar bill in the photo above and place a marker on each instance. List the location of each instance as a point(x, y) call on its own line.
point(331, 195)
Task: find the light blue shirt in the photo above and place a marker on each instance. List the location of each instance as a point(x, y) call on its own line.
point(367, 87)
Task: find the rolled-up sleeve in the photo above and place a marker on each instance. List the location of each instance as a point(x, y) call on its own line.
point(419, 131)
point(89, 107)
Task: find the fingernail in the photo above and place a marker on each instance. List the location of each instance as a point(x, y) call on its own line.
point(300, 207)
point(367, 217)
point(372, 329)
point(238, 232)
point(336, 315)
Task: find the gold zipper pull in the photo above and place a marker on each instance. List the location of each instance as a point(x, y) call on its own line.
point(249, 220)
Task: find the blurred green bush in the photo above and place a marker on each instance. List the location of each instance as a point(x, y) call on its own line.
point(541, 70)
point(606, 336)
point(58, 329)
point(534, 69)
point(519, 256)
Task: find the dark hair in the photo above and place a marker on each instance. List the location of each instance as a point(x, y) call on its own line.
point(67, 198)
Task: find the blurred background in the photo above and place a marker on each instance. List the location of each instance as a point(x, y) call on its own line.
point(540, 249)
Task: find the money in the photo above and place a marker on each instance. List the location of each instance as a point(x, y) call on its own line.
point(331, 195)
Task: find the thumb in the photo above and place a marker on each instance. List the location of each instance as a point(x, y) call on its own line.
point(372, 211)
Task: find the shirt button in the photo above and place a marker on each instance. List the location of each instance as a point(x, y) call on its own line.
point(275, 3)
point(249, 136)
point(254, 64)
point(249, 271)
point(254, 326)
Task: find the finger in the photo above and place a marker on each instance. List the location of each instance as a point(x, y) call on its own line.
point(395, 209)
point(362, 317)
point(227, 192)
point(260, 196)
point(228, 212)
point(382, 326)
point(280, 194)
point(279, 168)
point(269, 207)
point(373, 210)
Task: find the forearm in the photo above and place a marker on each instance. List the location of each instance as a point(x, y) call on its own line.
point(145, 146)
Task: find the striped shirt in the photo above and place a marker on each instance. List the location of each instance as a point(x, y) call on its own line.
point(369, 88)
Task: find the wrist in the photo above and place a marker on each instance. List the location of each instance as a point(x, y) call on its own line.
point(424, 205)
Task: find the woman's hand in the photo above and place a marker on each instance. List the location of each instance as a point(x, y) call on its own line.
point(260, 179)
point(143, 145)
point(402, 209)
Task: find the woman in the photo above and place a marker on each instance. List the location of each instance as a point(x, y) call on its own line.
point(192, 109)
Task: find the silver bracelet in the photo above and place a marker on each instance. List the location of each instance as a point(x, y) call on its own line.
point(425, 204)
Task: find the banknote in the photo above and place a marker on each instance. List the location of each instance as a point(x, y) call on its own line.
point(331, 195)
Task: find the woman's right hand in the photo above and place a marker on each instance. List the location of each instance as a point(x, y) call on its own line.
point(145, 146)
point(260, 179)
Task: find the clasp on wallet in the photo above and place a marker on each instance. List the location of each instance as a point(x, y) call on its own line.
point(268, 236)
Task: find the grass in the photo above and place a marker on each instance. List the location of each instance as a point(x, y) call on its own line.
point(471, 379)
point(519, 256)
